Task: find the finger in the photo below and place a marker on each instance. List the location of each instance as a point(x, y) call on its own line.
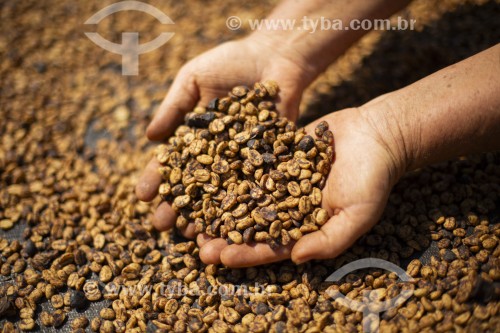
point(338, 234)
point(188, 231)
point(254, 254)
point(181, 98)
point(147, 187)
point(210, 252)
point(202, 239)
point(164, 217)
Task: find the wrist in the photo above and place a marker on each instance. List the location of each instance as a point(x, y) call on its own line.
point(386, 117)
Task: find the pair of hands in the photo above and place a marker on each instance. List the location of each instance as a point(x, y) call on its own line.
point(361, 177)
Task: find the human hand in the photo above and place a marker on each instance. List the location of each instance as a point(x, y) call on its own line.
point(365, 168)
point(211, 75)
point(423, 123)
point(375, 144)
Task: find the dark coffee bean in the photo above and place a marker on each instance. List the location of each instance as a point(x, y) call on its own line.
point(257, 131)
point(306, 143)
point(178, 190)
point(253, 144)
point(30, 248)
point(269, 213)
point(269, 158)
point(260, 308)
point(199, 120)
point(78, 299)
point(449, 256)
point(212, 105)
point(7, 308)
point(248, 235)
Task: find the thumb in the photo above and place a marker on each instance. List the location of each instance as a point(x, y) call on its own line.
point(338, 234)
point(181, 98)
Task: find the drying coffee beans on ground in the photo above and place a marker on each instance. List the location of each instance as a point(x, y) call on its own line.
point(72, 146)
point(239, 171)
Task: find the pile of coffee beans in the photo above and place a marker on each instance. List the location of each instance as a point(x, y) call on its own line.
point(239, 171)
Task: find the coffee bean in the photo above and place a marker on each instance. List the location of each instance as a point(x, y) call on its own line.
point(200, 120)
point(78, 299)
point(306, 143)
point(213, 104)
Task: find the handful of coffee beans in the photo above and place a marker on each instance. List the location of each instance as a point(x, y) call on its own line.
point(239, 171)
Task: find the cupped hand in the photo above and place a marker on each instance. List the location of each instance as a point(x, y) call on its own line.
point(211, 75)
point(365, 168)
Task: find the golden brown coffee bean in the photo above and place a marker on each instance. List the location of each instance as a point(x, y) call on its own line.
point(91, 290)
point(235, 237)
point(46, 319)
point(27, 324)
point(79, 322)
point(294, 189)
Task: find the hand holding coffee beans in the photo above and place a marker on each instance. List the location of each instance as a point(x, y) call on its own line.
point(241, 172)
